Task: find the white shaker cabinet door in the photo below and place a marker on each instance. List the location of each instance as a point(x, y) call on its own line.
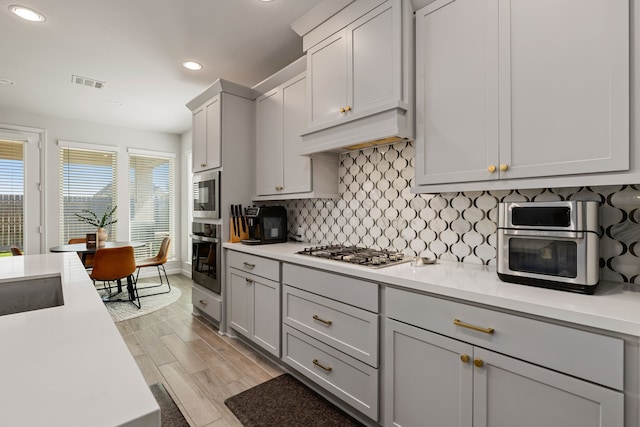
point(564, 86)
point(327, 80)
point(509, 392)
point(240, 289)
point(266, 315)
point(269, 164)
point(456, 91)
point(199, 136)
point(427, 383)
point(296, 168)
point(214, 133)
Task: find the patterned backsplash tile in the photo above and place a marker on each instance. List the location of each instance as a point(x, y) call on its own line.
point(377, 209)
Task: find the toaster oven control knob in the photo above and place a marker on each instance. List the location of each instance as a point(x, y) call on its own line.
point(504, 167)
point(478, 363)
point(491, 168)
point(465, 358)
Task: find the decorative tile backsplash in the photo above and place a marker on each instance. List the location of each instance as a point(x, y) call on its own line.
point(377, 209)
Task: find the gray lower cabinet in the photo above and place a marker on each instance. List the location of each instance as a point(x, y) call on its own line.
point(455, 382)
point(332, 338)
point(254, 300)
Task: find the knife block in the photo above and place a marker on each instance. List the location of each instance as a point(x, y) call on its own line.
point(239, 234)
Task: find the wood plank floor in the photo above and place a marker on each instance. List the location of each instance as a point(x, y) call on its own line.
point(199, 367)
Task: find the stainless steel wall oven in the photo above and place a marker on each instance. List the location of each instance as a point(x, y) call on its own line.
point(205, 255)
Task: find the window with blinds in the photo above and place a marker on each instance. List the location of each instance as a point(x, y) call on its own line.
point(151, 193)
point(87, 182)
point(11, 195)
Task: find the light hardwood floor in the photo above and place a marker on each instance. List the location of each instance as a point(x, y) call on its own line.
point(199, 367)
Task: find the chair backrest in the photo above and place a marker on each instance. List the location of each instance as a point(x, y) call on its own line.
point(15, 251)
point(113, 263)
point(163, 252)
point(74, 240)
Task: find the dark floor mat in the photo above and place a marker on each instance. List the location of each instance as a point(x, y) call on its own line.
point(286, 402)
point(170, 415)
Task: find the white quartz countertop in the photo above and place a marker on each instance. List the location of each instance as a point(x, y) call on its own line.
point(614, 307)
point(67, 365)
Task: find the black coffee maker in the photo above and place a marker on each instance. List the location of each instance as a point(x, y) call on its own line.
point(267, 224)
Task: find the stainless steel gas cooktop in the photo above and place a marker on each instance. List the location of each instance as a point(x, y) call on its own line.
point(368, 257)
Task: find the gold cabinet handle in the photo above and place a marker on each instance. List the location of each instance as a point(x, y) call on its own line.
point(478, 363)
point(319, 319)
point(491, 168)
point(474, 327)
point(203, 165)
point(203, 302)
point(342, 109)
point(504, 167)
point(279, 187)
point(348, 108)
point(465, 358)
point(326, 368)
point(249, 281)
point(246, 264)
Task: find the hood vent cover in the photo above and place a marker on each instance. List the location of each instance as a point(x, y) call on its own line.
point(84, 81)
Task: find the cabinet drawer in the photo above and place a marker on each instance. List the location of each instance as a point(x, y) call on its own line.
point(349, 329)
point(588, 355)
point(348, 379)
point(259, 266)
point(207, 302)
point(341, 288)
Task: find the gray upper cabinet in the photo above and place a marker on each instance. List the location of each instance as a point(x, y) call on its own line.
point(514, 89)
point(359, 75)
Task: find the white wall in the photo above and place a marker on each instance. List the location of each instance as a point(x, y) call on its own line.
point(57, 128)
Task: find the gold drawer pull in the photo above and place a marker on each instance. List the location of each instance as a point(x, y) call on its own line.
point(326, 368)
point(248, 265)
point(249, 281)
point(319, 319)
point(478, 363)
point(203, 302)
point(465, 358)
point(474, 327)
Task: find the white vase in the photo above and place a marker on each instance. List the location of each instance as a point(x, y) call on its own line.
point(101, 237)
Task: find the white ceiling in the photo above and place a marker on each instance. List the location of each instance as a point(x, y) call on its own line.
point(137, 47)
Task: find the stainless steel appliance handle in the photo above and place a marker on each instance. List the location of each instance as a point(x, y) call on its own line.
point(205, 238)
point(544, 233)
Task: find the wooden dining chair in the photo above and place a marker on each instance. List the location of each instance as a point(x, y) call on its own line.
point(15, 251)
point(88, 258)
point(157, 261)
point(113, 265)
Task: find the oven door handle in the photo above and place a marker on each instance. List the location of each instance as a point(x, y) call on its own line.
point(544, 233)
point(204, 239)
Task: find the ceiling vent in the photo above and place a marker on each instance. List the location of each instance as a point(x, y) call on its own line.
point(84, 81)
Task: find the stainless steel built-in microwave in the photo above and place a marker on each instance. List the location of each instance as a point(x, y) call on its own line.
point(206, 195)
point(549, 244)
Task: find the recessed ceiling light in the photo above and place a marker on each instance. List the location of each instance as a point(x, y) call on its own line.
point(27, 13)
point(191, 65)
point(7, 82)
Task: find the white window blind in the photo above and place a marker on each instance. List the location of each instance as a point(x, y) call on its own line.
point(87, 182)
point(11, 195)
point(151, 192)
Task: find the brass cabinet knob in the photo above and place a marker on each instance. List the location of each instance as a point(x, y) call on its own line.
point(279, 187)
point(342, 110)
point(465, 358)
point(249, 281)
point(348, 108)
point(203, 165)
point(491, 168)
point(504, 167)
point(478, 363)
point(203, 302)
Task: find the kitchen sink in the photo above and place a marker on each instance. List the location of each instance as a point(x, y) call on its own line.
point(30, 294)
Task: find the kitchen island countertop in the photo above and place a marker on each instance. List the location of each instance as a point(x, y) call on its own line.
point(614, 307)
point(67, 365)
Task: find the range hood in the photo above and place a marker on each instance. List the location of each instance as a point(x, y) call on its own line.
point(372, 128)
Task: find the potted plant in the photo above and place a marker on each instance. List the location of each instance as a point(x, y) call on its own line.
point(90, 217)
